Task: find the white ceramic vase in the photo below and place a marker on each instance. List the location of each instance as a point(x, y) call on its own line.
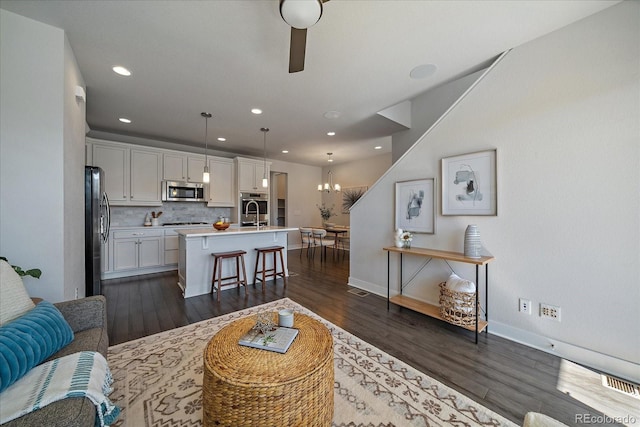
point(472, 244)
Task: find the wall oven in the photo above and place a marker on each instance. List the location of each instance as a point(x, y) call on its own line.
point(176, 191)
point(248, 214)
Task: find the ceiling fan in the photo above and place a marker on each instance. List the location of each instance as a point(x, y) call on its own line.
point(300, 15)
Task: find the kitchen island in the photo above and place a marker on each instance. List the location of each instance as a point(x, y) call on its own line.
point(195, 246)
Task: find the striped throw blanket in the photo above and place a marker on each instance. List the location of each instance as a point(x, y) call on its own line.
point(83, 374)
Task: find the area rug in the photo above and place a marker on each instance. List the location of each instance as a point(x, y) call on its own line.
point(158, 381)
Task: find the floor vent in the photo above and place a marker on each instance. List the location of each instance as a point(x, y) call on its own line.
point(358, 292)
point(625, 387)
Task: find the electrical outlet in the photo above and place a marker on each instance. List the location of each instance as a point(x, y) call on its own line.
point(76, 293)
point(550, 312)
point(525, 306)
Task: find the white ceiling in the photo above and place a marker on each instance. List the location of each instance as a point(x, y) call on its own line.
point(226, 57)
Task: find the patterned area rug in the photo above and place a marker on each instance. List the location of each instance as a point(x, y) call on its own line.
point(158, 381)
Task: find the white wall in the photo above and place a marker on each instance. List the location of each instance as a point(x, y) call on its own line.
point(73, 176)
point(36, 136)
point(358, 173)
point(428, 108)
point(563, 113)
point(302, 196)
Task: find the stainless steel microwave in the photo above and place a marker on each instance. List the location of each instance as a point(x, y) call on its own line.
point(176, 191)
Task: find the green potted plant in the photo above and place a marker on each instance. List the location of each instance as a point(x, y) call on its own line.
point(326, 212)
point(33, 272)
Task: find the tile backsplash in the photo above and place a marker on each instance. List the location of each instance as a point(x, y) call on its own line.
point(133, 216)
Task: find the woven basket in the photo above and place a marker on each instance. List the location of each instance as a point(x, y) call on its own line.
point(246, 386)
point(458, 308)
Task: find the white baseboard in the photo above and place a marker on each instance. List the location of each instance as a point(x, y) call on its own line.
point(623, 369)
point(602, 362)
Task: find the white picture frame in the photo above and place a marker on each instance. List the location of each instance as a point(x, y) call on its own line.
point(469, 184)
point(415, 205)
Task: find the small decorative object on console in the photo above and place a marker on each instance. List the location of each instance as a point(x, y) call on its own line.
point(406, 238)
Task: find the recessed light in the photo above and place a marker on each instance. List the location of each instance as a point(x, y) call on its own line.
point(121, 70)
point(332, 114)
point(221, 139)
point(256, 111)
point(422, 71)
point(377, 147)
point(285, 151)
point(124, 120)
point(331, 133)
point(330, 160)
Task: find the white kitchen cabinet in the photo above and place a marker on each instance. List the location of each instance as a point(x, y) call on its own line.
point(222, 186)
point(139, 248)
point(132, 175)
point(182, 167)
point(114, 161)
point(195, 168)
point(250, 174)
point(175, 167)
point(146, 174)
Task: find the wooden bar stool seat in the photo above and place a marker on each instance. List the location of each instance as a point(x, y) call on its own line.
point(269, 272)
point(218, 258)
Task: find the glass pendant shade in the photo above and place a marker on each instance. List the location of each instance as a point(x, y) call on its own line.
point(205, 175)
point(265, 181)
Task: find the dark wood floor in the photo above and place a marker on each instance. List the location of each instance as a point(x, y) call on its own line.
point(504, 376)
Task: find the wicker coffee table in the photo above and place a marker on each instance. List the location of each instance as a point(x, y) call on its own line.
point(245, 386)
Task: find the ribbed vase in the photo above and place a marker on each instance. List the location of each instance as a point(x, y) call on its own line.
point(472, 244)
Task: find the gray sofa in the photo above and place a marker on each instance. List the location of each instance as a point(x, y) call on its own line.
point(88, 320)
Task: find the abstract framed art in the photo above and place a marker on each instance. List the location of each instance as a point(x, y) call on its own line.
point(469, 184)
point(415, 206)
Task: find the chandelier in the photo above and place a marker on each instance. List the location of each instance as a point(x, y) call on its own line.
point(329, 186)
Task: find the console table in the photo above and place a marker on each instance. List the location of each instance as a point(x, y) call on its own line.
point(431, 309)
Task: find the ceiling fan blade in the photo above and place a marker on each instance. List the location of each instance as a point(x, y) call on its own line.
point(297, 49)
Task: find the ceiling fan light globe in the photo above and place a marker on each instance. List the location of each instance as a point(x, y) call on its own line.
point(301, 14)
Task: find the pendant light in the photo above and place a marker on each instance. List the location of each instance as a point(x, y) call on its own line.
point(265, 181)
point(329, 186)
point(205, 174)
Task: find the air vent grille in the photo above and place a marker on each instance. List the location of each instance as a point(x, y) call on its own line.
point(625, 387)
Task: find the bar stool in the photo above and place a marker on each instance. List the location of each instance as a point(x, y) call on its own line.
point(271, 272)
point(218, 258)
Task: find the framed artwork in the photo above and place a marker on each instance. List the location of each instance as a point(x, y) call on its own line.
point(350, 196)
point(415, 205)
point(469, 185)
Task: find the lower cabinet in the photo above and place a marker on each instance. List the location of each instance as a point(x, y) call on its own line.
point(134, 251)
point(144, 250)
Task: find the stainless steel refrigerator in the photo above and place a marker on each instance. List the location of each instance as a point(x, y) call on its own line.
point(96, 225)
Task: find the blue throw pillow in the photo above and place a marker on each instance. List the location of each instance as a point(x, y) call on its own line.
point(29, 340)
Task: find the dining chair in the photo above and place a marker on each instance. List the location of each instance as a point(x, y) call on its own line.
point(306, 236)
point(320, 239)
point(344, 239)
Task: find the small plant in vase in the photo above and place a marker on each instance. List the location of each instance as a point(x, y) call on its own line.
point(326, 212)
point(405, 239)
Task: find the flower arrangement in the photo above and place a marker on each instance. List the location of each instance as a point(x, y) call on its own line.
point(326, 212)
point(406, 238)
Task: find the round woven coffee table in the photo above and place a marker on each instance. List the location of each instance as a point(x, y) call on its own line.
point(246, 386)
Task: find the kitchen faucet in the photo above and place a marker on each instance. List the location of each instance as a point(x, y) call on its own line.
point(246, 212)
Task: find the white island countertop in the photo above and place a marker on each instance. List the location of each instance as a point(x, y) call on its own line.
point(212, 232)
point(195, 246)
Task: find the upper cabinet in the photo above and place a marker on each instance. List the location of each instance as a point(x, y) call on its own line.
point(132, 175)
point(222, 185)
point(250, 174)
point(183, 167)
